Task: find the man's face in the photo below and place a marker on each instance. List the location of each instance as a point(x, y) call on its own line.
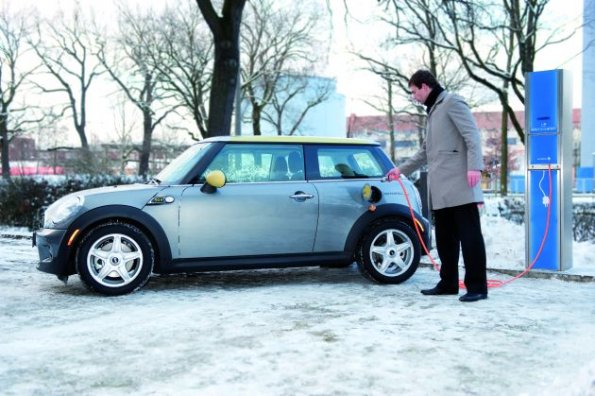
point(420, 94)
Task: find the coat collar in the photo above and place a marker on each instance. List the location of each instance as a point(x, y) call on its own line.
point(439, 100)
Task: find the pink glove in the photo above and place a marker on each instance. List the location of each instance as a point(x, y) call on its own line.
point(393, 174)
point(473, 177)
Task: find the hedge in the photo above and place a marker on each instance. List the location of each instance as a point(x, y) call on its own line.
point(23, 198)
point(583, 216)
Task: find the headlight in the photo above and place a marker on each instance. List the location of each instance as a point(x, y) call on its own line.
point(62, 210)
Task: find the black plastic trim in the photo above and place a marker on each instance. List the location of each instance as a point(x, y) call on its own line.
point(256, 262)
point(384, 211)
point(63, 261)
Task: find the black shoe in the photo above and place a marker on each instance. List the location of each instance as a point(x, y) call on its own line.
point(470, 297)
point(438, 291)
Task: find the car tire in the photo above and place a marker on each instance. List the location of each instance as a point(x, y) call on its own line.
point(115, 258)
point(390, 252)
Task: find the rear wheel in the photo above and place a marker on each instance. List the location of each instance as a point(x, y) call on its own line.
point(115, 258)
point(390, 252)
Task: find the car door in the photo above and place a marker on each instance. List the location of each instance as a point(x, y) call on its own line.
point(264, 209)
point(339, 173)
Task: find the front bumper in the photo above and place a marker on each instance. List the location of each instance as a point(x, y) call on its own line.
point(53, 252)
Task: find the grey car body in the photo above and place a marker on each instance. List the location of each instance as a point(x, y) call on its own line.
point(284, 201)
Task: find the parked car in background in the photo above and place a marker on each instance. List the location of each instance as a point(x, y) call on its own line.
point(233, 203)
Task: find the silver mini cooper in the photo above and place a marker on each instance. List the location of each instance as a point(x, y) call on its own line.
point(233, 203)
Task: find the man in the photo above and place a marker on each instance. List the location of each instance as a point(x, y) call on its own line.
point(452, 151)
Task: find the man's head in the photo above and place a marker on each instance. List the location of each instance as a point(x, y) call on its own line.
point(421, 83)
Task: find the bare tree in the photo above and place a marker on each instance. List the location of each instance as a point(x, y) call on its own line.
point(14, 29)
point(278, 41)
point(67, 49)
point(514, 38)
point(386, 104)
point(495, 43)
point(124, 127)
point(292, 99)
point(185, 60)
point(133, 70)
point(226, 34)
point(410, 45)
point(479, 34)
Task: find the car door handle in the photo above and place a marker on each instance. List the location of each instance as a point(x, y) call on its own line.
point(301, 196)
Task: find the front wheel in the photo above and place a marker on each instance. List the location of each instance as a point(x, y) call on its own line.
point(390, 252)
point(115, 258)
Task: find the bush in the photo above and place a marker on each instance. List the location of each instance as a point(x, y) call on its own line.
point(583, 216)
point(23, 198)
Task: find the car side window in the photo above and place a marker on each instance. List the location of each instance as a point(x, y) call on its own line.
point(254, 163)
point(347, 162)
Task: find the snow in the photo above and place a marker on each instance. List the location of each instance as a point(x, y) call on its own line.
point(306, 331)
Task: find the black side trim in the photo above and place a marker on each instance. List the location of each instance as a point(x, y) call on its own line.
point(255, 262)
point(382, 211)
point(122, 212)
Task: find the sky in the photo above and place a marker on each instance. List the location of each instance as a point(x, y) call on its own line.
point(305, 331)
point(357, 35)
point(357, 85)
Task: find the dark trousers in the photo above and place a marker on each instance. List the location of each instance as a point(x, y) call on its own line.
point(458, 228)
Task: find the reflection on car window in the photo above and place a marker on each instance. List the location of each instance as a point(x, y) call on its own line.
point(348, 163)
point(253, 163)
point(179, 167)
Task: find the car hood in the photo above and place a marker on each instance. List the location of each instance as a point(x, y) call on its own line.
point(136, 195)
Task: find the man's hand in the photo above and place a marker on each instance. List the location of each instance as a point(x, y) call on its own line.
point(473, 177)
point(393, 174)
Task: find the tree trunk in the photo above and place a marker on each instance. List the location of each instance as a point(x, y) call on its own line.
point(391, 121)
point(223, 88)
point(4, 145)
point(226, 33)
point(504, 155)
point(87, 161)
point(256, 110)
point(84, 142)
point(145, 153)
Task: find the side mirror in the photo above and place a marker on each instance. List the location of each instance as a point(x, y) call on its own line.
point(214, 180)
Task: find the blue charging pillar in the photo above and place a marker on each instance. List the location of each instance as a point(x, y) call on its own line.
point(548, 126)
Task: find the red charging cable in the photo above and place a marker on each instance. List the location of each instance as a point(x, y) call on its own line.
point(492, 283)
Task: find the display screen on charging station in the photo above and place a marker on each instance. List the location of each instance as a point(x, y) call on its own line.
point(543, 118)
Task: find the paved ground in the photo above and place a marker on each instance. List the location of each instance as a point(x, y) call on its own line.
point(306, 331)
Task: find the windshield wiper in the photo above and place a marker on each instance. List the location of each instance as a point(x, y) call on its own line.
point(154, 181)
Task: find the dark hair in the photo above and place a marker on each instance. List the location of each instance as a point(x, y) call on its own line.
point(423, 77)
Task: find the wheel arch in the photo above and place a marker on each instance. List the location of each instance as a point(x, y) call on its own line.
point(123, 214)
point(382, 213)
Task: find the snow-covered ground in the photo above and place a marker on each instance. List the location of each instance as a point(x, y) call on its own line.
point(309, 331)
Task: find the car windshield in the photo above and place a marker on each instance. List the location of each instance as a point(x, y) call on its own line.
point(181, 165)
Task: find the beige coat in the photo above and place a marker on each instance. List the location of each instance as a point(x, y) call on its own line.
point(452, 147)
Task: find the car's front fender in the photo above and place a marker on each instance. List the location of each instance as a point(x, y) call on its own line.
point(64, 262)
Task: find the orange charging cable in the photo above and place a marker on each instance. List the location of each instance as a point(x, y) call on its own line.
point(492, 283)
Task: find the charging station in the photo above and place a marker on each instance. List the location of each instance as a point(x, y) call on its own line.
point(548, 182)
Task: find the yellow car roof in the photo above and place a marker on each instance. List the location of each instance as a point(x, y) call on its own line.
point(289, 139)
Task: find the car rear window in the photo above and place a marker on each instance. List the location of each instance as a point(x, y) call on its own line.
point(345, 162)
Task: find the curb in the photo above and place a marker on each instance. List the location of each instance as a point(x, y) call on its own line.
point(16, 236)
point(536, 274)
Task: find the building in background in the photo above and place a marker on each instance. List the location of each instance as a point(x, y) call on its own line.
point(587, 152)
point(27, 160)
point(408, 137)
point(285, 110)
